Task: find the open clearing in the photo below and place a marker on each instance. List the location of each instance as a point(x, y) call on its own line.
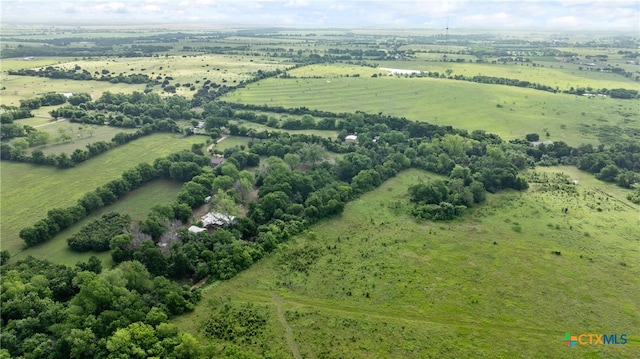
point(510, 112)
point(382, 285)
point(29, 191)
point(136, 204)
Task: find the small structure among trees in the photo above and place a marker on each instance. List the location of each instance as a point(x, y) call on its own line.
point(217, 219)
point(351, 139)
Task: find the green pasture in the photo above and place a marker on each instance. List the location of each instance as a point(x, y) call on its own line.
point(230, 142)
point(508, 280)
point(510, 112)
point(23, 87)
point(29, 191)
point(20, 63)
point(136, 204)
point(82, 136)
point(39, 121)
point(259, 127)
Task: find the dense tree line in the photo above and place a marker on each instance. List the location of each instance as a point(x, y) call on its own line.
point(77, 73)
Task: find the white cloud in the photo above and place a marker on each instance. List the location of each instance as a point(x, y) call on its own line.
point(297, 3)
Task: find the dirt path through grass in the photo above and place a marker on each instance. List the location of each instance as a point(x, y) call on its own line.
point(49, 123)
point(287, 328)
point(388, 315)
point(215, 143)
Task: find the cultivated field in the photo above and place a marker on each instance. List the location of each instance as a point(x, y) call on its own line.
point(506, 281)
point(29, 191)
point(510, 112)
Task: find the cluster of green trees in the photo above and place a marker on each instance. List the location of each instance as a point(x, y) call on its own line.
point(55, 311)
point(33, 137)
point(96, 235)
point(48, 99)
point(10, 113)
point(619, 163)
point(129, 110)
point(446, 199)
point(635, 196)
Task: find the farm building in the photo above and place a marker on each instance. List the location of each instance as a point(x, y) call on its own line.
point(217, 219)
point(351, 139)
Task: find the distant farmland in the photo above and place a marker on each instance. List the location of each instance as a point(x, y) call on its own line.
point(510, 112)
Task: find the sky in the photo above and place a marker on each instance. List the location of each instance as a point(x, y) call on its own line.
point(592, 15)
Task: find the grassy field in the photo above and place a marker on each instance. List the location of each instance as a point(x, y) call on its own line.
point(510, 112)
point(82, 136)
point(29, 191)
point(23, 87)
point(258, 127)
point(230, 142)
point(136, 204)
point(19, 63)
point(506, 281)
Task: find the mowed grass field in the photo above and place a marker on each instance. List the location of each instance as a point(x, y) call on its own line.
point(29, 191)
point(374, 283)
point(136, 204)
point(510, 112)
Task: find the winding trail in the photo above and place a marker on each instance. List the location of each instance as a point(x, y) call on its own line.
point(48, 123)
point(287, 328)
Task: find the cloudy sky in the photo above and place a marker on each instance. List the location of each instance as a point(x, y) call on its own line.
point(488, 14)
